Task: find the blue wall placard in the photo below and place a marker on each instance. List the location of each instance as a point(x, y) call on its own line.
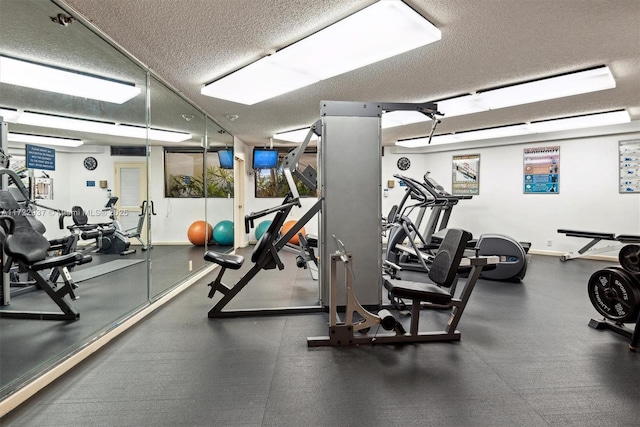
point(41, 158)
point(91, 183)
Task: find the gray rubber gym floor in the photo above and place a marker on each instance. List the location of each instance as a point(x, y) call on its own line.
point(527, 358)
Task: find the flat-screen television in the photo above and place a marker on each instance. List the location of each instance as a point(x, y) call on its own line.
point(265, 158)
point(225, 157)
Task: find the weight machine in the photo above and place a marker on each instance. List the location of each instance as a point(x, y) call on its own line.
point(265, 254)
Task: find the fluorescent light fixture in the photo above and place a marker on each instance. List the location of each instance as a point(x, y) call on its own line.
point(44, 140)
point(497, 132)
point(400, 118)
point(554, 125)
point(297, 136)
point(389, 119)
point(382, 30)
point(51, 79)
point(580, 82)
point(90, 126)
point(550, 88)
point(580, 122)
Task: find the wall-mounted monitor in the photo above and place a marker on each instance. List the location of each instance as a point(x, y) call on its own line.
point(265, 158)
point(225, 157)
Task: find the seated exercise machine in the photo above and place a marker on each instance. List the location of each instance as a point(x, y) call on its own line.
point(615, 294)
point(265, 253)
point(29, 249)
point(442, 275)
point(596, 237)
point(14, 201)
point(109, 238)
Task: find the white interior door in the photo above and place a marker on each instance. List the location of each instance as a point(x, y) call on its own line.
point(131, 189)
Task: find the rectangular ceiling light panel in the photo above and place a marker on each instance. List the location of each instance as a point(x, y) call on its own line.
point(382, 30)
point(550, 88)
point(44, 140)
point(577, 83)
point(90, 126)
point(35, 76)
point(556, 125)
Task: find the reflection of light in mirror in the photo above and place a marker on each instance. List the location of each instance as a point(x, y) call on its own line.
point(46, 140)
point(35, 76)
point(90, 126)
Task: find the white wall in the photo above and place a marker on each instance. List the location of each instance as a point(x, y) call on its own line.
point(588, 200)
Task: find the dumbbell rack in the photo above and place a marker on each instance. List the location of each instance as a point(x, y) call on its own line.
point(615, 294)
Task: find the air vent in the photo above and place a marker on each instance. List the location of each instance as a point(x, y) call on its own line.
point(139, 151)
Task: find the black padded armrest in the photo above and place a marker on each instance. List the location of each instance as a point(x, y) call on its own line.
point(57, 261)
point(233, 262)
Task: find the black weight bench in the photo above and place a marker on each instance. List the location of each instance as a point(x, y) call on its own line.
point(596, 237)
point(29, 248)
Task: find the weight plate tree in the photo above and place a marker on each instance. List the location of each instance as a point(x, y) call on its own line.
point(629, 258)
point(615, 294)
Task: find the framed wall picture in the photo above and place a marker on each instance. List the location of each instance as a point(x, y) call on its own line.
point(466, 174)
point(542, 170)
point(629, 151)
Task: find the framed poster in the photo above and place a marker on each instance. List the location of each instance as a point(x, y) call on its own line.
point(466, 174)
point(629, 166)
point(542, 170)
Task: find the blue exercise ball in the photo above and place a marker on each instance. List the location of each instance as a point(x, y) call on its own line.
point(223, 233)
point(261, 228)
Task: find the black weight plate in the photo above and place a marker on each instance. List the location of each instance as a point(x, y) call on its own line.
point(629, 257)
point(614, 294)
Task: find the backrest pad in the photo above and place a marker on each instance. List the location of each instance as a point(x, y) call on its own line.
point(447, 260)
point(26, 245)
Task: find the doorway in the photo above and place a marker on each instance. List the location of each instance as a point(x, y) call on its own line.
point(131, 190)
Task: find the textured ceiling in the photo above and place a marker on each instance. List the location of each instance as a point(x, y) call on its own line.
point(484, 44)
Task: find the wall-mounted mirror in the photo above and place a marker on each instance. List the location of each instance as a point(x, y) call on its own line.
point(112, 177)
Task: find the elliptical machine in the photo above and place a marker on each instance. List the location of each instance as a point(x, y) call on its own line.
point(428, 194)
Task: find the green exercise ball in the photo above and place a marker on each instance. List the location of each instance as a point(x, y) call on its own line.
point(261, 228)
point(223, 233)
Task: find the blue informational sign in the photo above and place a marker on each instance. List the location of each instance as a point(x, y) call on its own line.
point(91, 183)
point(41, 158)
point(542, 170)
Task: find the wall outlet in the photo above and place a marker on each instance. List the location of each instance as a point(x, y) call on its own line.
point(549, 242)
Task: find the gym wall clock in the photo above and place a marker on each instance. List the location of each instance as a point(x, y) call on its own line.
point(90, 163)
point(404, 163)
